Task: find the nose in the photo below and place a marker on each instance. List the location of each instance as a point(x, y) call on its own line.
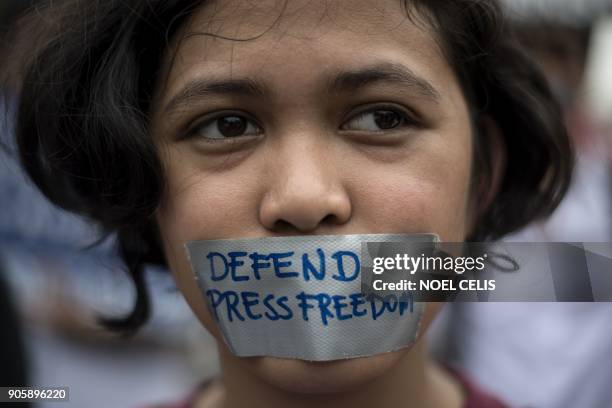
point(305, 190)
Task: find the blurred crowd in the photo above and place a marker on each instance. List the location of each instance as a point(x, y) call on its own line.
point(55, 283)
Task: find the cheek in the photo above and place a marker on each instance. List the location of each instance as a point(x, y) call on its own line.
point(210, 197)
point(422, 194)
point(197, 207)
point(187, 285)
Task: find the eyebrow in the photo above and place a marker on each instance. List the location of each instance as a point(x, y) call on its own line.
point(384, 73)
point(346, 81)
point(199, 88)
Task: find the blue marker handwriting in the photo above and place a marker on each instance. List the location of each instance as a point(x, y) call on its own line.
point(240, 266)
point(323, 307)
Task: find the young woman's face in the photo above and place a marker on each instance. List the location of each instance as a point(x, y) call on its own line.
point(332, 118)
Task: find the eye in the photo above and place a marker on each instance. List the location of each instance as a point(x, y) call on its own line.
point(378, 120)
point(226, 127)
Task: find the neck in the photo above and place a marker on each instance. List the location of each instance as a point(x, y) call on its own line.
point(412, 382)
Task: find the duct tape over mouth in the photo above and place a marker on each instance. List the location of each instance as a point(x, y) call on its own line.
point(300, 297)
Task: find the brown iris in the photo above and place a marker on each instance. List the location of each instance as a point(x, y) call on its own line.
point(232, 126)
point(386, 119)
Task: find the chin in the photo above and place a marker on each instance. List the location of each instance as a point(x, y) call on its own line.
point(309, 377)
point(337, 376)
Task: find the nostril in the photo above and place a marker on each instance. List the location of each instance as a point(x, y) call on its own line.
point(283, 226)
point(286, 227)
point(330, 219)
point(293, 211)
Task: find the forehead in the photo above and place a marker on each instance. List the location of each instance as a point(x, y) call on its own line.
point(297, 41)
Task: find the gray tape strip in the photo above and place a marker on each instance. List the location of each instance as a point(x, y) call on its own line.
point(300, 297)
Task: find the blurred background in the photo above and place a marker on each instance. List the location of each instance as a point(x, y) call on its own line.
point(53, 288)
point(553, 354)
point(538, 354)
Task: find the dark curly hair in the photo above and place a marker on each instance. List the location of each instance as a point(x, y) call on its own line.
point(88, 69)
